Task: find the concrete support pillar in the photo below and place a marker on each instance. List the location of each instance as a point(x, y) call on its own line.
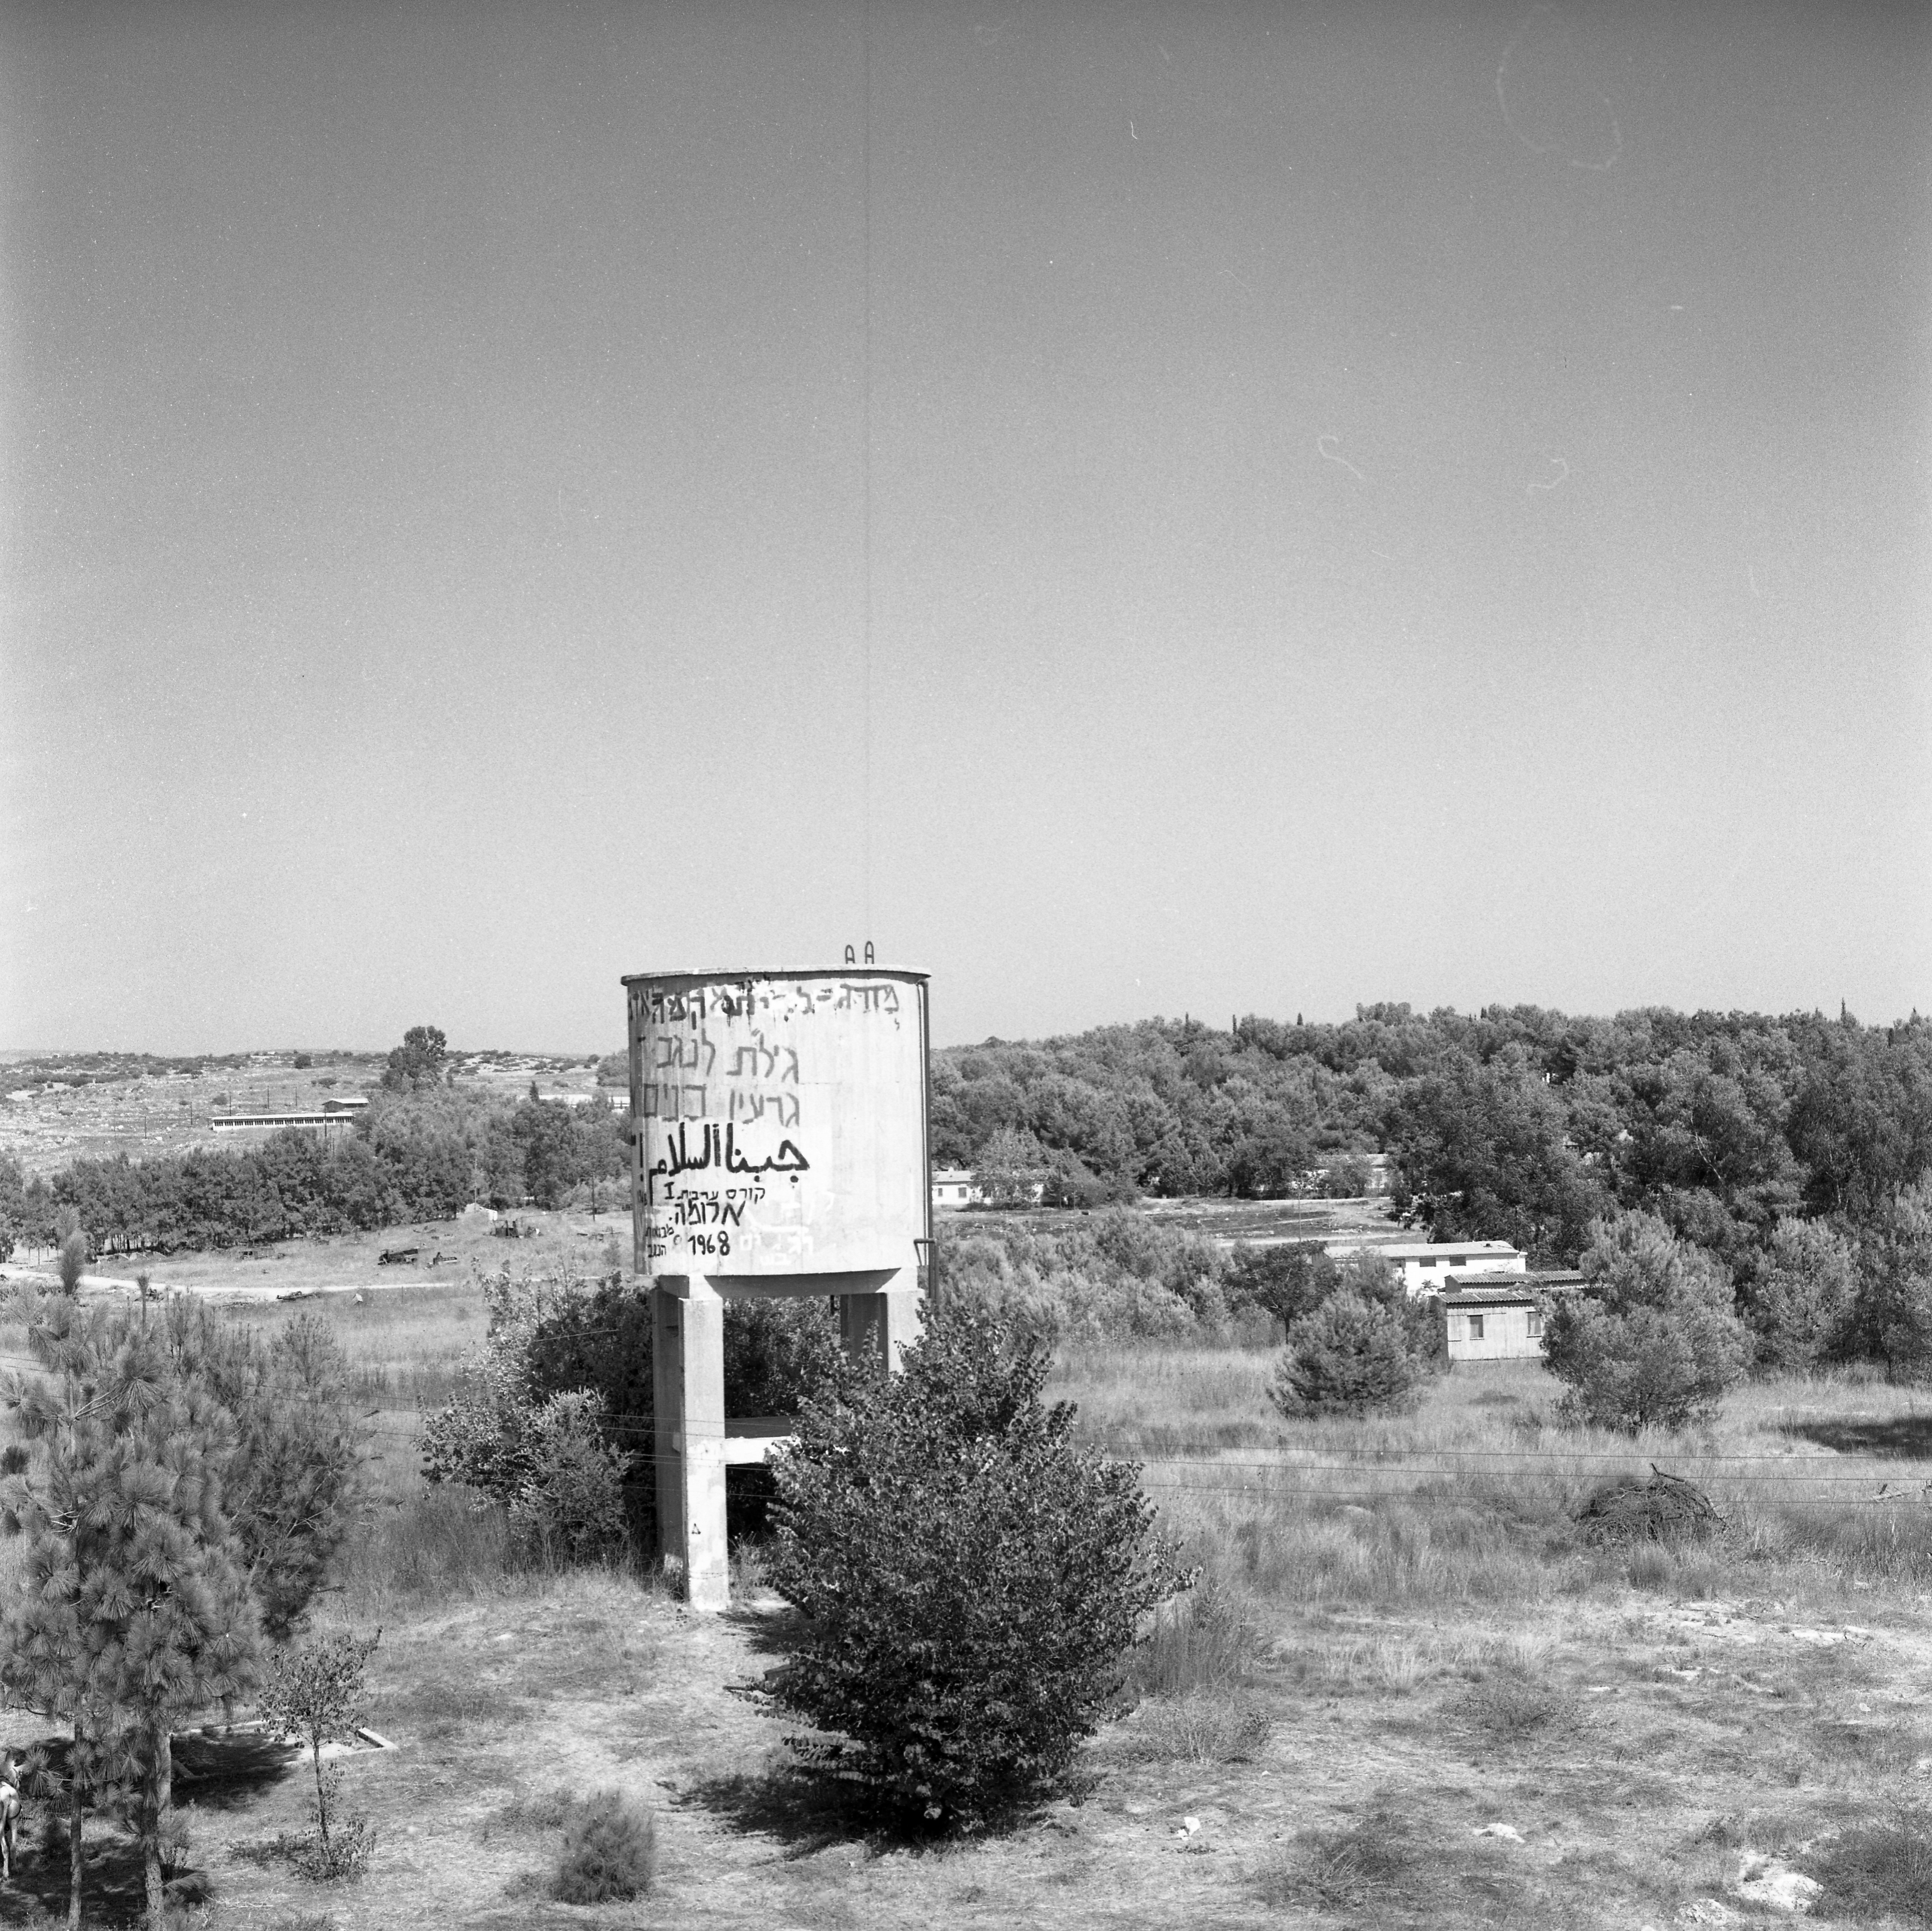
point(881, 1327)
point(688, 1337)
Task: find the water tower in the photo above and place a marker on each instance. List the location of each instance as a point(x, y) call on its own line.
point(780, 1149)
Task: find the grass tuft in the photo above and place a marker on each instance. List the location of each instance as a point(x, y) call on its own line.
point(1881, 1869)
point(1507, 1711)
point(1206, 1641)
point(1371, 1862)
point(1201, 1727)
point(610, 1851)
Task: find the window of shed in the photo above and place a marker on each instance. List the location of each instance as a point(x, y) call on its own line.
point(1535, 1324)
point(1475, 1327)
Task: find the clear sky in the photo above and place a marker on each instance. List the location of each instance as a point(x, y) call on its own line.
point(1376, 501)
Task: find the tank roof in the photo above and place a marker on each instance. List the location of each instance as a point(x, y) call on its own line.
point(734, 973)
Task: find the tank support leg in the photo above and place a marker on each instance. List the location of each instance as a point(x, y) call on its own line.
point(687, 1339)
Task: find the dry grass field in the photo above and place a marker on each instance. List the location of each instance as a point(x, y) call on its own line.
point(1404, 1693)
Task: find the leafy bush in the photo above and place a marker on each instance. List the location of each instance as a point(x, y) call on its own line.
point(1349, 1357)
point(969, 1577)
point(554, 1337)
point(571, 1507)
point(1651, 1340)
point(610, 1851)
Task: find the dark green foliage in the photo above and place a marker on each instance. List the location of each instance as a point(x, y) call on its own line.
point(1802, 1299)
point(1487, 1144)
point(1352, 1355)
point(73, 1262)
point(571, 1508)
point(292, 1482)
point(610, 1851)
point(415, 1155)
point(968, 1577)
point(1287, 1282)
point(132, 1611)
point(1114, 1275)
point(1891, 1314)
point(549, 1339)
point(418, 1062)
point(14, 1217)
point(1652, 1341)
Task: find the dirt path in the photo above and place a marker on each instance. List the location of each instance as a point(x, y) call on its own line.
point(245, 1290)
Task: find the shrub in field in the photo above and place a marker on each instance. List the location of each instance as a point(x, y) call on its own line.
point(1801, 1302)
point(1652, 1340)
point(969, 1577)
point(610, 1851)
point(313, 1696)
point(1350, 1356)
point(571, 1507)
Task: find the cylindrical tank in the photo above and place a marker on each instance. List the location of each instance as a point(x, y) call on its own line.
point(781, 1122)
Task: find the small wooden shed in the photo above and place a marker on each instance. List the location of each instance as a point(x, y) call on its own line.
point(1493, 1321)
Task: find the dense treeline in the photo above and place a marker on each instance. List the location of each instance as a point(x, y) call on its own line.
point(415, 1156)
point(1516, 1123)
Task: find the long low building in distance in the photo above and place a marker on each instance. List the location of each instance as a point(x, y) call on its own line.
point(333, 1117)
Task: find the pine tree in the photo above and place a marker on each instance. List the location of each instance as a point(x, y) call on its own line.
point(43, 1649)
point(292, 1479)
point(134, 1612)
point(1351, 1356)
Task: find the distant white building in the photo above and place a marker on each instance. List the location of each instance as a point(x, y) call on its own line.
point(954, 1187)
point(335, 1120)
point(1426, 1265)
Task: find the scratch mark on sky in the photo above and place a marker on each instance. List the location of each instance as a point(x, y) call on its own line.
point(1321, 448)
point(1553, 482)
point(1557, 79)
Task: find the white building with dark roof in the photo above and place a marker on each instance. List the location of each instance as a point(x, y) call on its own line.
point(1426, 1265)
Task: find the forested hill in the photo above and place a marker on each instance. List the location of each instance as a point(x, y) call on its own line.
point(1517, 1122)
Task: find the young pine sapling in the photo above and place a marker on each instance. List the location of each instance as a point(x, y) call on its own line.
point(314, 1696)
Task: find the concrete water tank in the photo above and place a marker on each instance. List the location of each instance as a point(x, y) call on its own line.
point(780, 1149)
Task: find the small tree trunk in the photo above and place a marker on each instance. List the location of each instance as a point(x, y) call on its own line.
point(76, 1803)
point(321, 1801)
point(161, 1788)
